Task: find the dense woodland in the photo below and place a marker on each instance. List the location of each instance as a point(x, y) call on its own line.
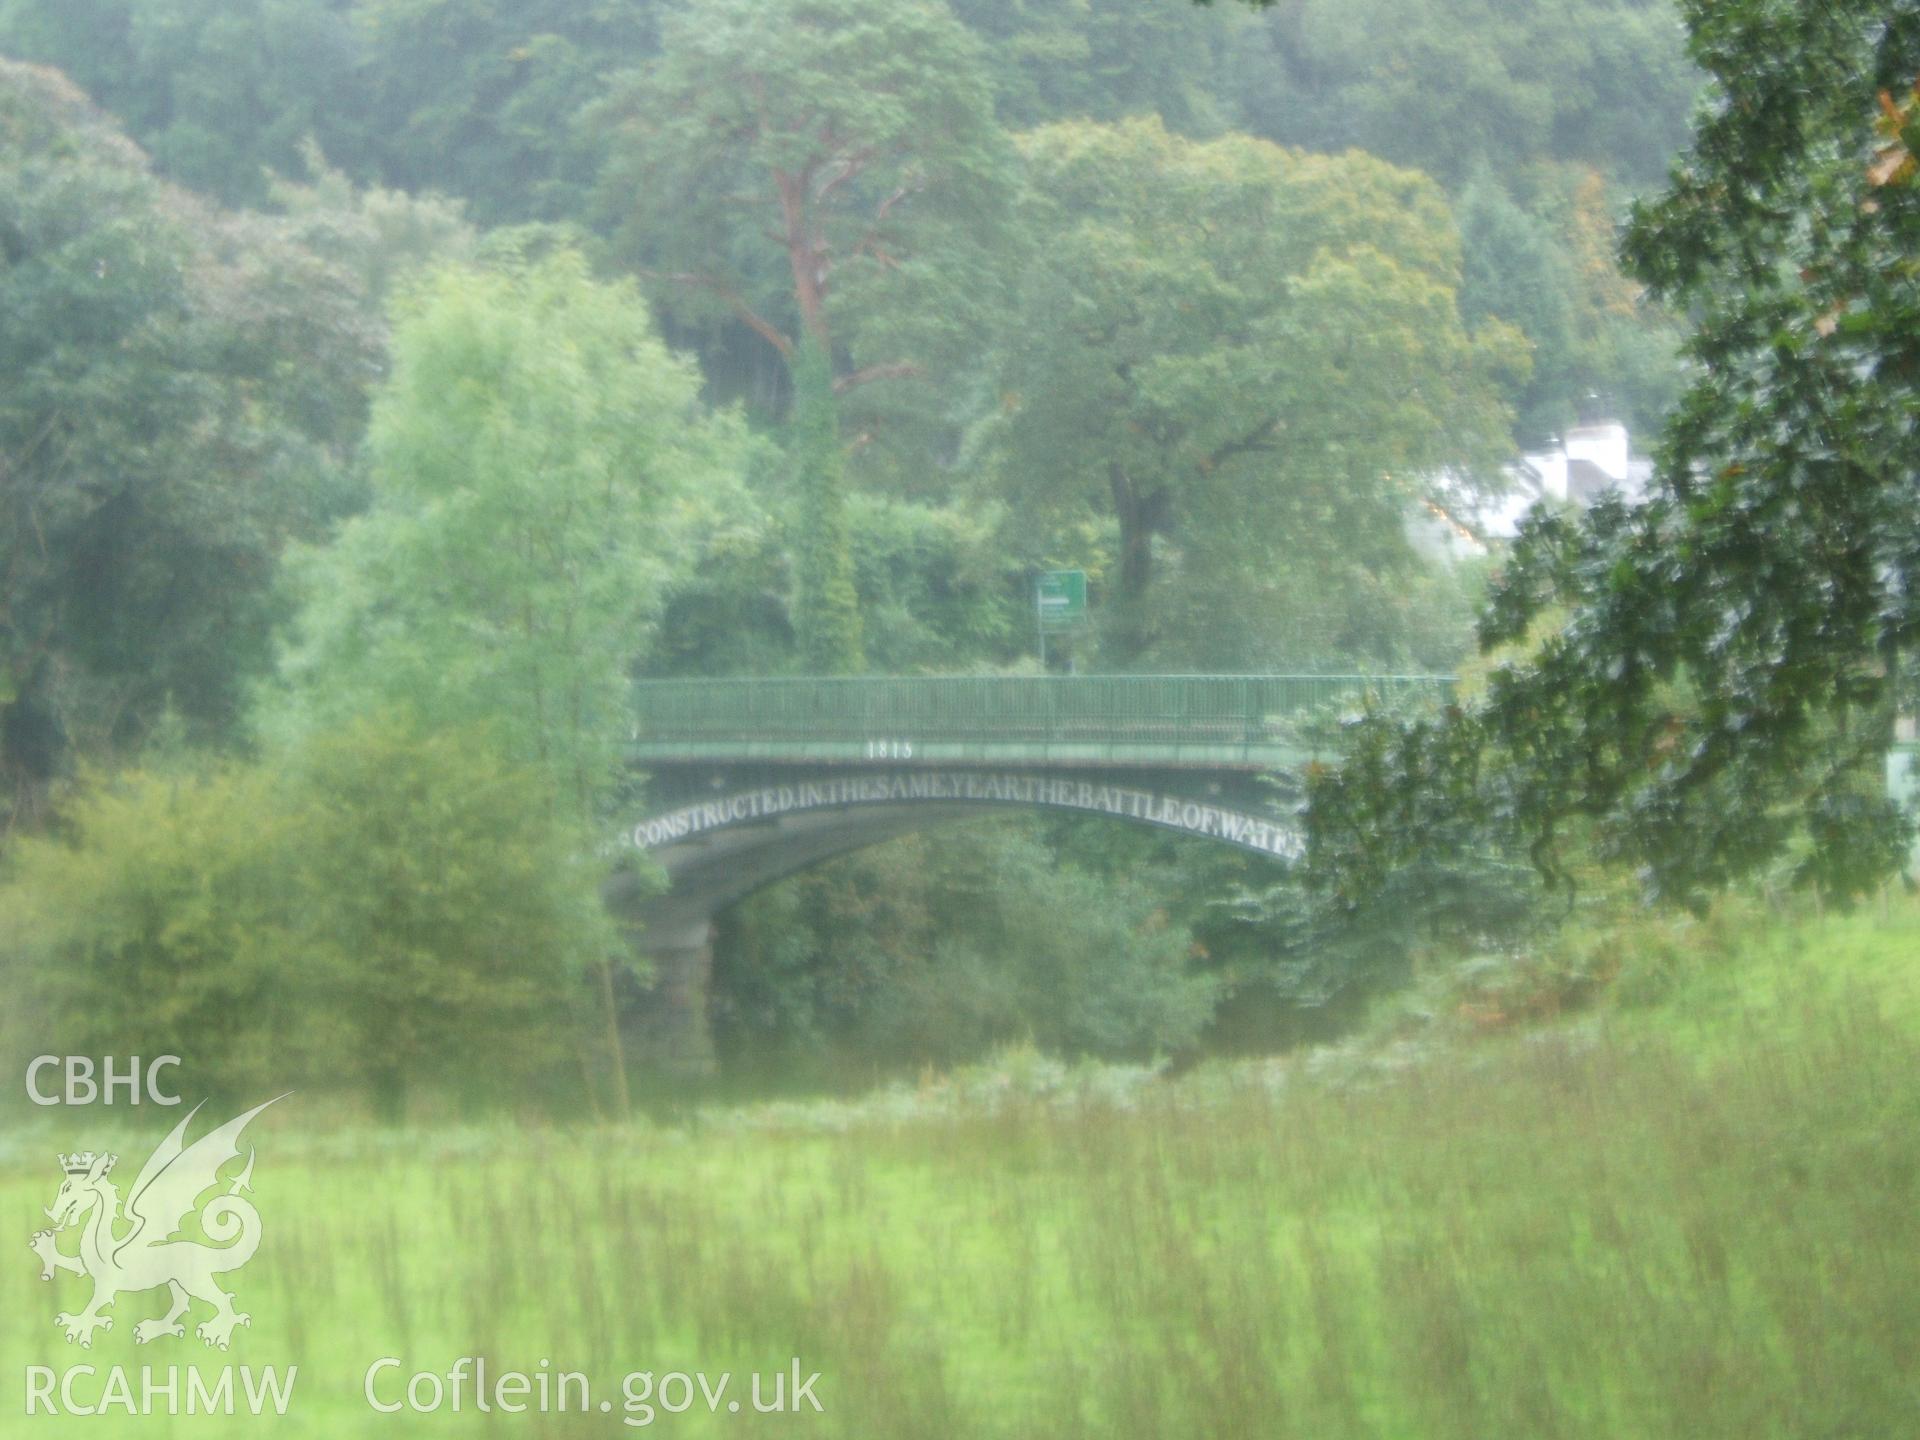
point(387, 382)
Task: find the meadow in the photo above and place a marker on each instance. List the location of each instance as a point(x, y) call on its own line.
point(1688, 1209)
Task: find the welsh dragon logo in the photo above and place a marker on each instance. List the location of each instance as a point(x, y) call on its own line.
point(136, 1250)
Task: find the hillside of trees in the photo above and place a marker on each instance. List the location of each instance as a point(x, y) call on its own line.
point(357, 349)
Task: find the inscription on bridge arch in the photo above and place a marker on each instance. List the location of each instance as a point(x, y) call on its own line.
point(1099, 797)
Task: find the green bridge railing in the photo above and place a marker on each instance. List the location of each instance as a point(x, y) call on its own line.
point(1087, 717)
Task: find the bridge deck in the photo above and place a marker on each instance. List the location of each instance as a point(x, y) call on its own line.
point(1199, 720)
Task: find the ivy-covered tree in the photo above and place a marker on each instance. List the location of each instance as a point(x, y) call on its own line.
point(828, 175)
point(826, 612)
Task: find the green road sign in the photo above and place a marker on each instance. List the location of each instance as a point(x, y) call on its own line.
point(1062, 598)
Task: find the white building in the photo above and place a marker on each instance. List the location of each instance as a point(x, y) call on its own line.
point(1457, 524)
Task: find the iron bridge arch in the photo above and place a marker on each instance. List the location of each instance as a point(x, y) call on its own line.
point(749, 781)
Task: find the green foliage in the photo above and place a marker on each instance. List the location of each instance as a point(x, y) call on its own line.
point(480, 100)
point(826, 174)
point(447, 917)
point(1515, 271)
point(826, 611)
point(1446, 87)
point(733, 613)
point(1106, 59)
point(183, 388)
point(381, 908)
point(459, 96)
point(1209, 374)
point(160, 923)
point(1460, 895)
point(826, 164)
point(1247, 360)
point(1548, 271)
point(218, 91)
point(223, 92)
point(937, 948)
point(1720, 692)
point(542, 470)
point(385, 236)
point(938, 593)
point(541, 467)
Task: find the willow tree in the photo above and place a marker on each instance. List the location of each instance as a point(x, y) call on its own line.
point(827, 174)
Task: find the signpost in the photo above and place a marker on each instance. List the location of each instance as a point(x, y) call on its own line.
point(1059, 603)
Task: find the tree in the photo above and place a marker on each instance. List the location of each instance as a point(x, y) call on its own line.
point(155, 920)
point(819, 166)
point(481, 100)
point(183, 390)
point(938, 592)
point(441, 908)
point(461, 97)
point(1515, 271)
point(1446, 87)
point(540, 463)
point(826, 609)
point(385, 237)
point(1106, 59)
point(375, 908)
point(824, 173)
point(934, 948)
point(1248, 360)
point(218, 91)
point(1719, 693)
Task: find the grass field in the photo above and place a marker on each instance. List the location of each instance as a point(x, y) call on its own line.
point(1693, 1211)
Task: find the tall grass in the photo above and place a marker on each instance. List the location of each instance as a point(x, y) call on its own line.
point(1642, 1224)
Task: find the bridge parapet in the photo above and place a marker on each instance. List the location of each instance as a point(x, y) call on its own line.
point(1207, 720)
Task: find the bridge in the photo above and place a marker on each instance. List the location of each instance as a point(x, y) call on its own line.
point(748, 781)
